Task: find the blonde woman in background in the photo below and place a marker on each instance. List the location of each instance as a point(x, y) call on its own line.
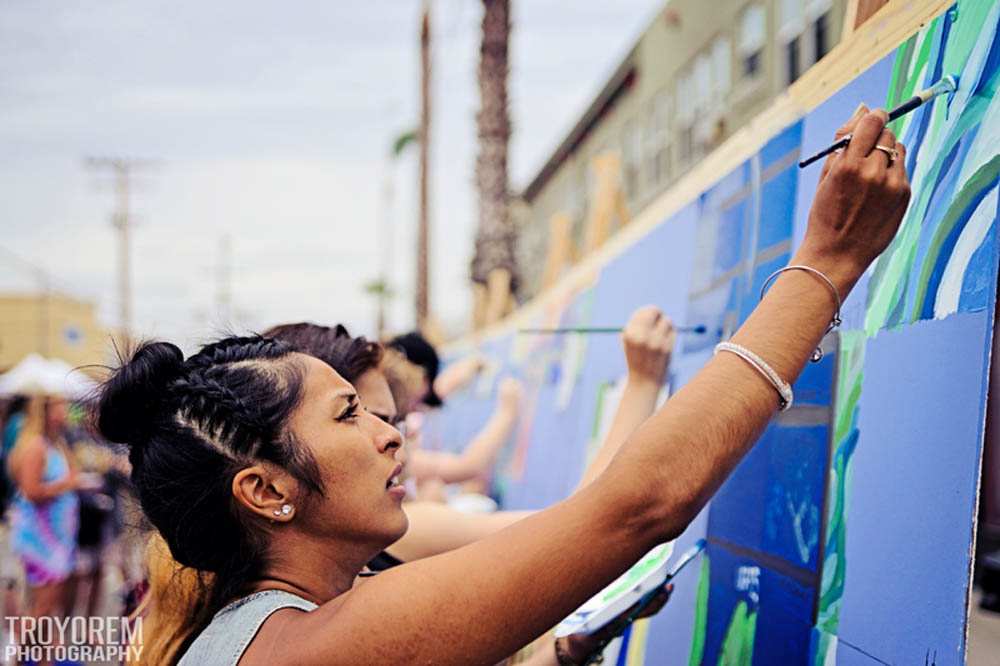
point(45, 510)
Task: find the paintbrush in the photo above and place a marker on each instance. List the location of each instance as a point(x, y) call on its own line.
point(947, 85)
point(606, 329)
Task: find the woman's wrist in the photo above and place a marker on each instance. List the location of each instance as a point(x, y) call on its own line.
point(842, 272)
point(643, 381)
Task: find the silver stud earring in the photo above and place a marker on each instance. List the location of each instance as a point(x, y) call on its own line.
point(285, 510)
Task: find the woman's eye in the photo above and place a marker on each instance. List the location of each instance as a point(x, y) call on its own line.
point(348, 414)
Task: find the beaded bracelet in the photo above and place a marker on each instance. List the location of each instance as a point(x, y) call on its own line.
point(835, 322)
point(785, 395)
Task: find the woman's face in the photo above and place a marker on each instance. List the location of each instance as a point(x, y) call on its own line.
point(358, 457)
point(55, 414)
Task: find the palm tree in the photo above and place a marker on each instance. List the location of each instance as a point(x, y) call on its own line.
point(494, 271)
point(422, 304)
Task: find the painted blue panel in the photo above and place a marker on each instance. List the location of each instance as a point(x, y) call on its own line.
point(783, 607)
point(785, 142)
point(979, 284)
point(730, 236)
point(655, 271)
point(915, 475)
point(772, 503)
point(848, 655)
point(777, 208)
point(751, 296)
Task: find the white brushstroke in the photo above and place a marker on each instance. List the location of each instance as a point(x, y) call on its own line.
point(950, 288)
point(571, 365)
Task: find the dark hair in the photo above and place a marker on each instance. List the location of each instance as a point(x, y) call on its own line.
point(191, 425)
point(350, 357)
point(417, 350)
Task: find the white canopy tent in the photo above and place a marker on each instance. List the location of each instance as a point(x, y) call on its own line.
point(38, 375)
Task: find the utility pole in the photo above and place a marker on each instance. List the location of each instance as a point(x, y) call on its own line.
point(423, 223)
point(121, 220)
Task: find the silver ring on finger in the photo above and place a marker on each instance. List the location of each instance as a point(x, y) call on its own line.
point(891, 153)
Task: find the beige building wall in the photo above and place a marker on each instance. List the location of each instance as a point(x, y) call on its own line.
point(699, 71)
point(55, 326)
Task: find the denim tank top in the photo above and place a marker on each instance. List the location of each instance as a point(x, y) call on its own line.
point(230, 632)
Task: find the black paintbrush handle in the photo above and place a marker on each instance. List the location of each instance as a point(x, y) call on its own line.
point(832, 148)
point(905, 107)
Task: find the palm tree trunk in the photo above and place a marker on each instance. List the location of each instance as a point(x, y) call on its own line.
point(493, 265)
point(422, 300)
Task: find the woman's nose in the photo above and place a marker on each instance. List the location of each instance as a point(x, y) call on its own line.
point(388, 439)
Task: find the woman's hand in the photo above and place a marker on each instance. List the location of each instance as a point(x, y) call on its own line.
point(579, 647)
point(648, 339)
point(859, 203)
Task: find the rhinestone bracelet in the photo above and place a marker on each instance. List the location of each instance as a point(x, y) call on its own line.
point(785, 395)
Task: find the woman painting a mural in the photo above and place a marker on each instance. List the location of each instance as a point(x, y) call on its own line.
point(258, 466)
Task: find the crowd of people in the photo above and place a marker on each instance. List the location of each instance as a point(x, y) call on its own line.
point(64, 515)
point(292, 515)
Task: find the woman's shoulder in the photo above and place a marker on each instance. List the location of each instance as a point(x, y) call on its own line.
point(231, 631)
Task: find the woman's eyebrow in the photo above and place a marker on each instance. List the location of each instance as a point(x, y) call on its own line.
point(350, 397)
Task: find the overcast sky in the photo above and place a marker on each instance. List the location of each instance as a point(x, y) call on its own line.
point(270, 122)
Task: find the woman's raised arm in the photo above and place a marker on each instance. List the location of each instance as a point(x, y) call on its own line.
point(480, 603)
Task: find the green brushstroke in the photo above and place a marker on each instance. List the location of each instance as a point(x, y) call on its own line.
point(984, 177)
point(850, 374)
point(700, 615)
point(907, 73)
point(737, 646)
point(969, 18)
point(638, 571)
point(895, 274)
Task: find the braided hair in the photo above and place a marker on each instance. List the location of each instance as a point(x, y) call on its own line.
point(190, 426)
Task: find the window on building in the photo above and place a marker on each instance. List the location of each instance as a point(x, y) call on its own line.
point(821, 35)
point(792, 64)
point(791, 23)
point(631, 158)
point(721, 69)
point(803, 35)
point(657, 142)
point(685, 145)
point(685, 115)
point(752, 38)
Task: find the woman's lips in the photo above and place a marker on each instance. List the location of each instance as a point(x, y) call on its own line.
point(393, 485)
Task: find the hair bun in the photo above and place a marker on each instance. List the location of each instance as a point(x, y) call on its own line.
point(134, 395)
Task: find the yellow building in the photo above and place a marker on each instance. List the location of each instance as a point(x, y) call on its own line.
point(53, 325)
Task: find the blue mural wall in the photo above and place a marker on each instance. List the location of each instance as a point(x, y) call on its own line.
point(844, 536)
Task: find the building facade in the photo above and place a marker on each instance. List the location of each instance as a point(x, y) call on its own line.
point(53, 325)
point(697, 73)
